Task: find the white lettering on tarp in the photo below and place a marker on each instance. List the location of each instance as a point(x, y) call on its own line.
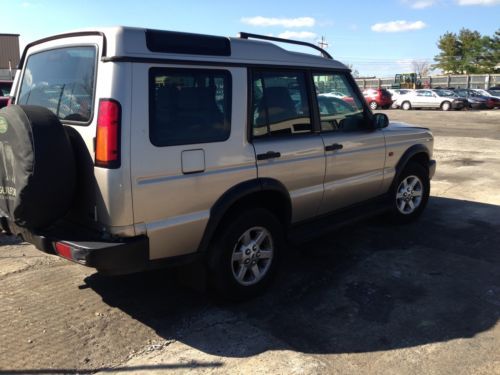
point(8, 161)
point(8, 191)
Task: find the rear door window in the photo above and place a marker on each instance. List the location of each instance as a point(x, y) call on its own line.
point(189, 106)
point(62, 80)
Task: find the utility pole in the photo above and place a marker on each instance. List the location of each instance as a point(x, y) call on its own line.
point(323, 43)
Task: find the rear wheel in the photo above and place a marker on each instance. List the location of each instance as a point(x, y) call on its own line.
point(446, 106)
point(406, 106)
point(244, 256)
point(373, 105)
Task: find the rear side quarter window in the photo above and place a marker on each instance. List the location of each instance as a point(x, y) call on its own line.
point(189, 106)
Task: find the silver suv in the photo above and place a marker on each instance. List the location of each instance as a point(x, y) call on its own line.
point(129, 149)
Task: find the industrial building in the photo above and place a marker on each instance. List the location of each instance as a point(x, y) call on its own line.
point(9, 55)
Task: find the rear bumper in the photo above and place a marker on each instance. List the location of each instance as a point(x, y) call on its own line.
point(385, 102)
point(127, 255)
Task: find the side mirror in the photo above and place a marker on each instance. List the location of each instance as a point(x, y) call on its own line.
point(380, 120)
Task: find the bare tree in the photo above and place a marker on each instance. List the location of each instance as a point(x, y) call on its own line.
point(421, 67)
point(354, 71)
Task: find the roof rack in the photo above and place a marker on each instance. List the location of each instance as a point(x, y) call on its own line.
point(244, 35)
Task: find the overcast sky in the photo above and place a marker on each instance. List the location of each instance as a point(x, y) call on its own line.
point(377, 37)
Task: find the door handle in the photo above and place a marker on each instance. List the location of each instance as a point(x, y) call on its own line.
point(268, 155)
point(334, 147)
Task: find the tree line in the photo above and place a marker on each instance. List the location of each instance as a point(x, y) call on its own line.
point(468, 52)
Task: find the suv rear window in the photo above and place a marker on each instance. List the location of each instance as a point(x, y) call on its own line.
point(61, 80)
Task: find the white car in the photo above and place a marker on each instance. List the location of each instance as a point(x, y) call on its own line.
point(396, 93)
point(443, 99)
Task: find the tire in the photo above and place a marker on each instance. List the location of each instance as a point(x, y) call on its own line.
point(445, 106)
point(230, 270)
point(37, 167)
point(373, 105)
point(401, 208)
point(406, 106)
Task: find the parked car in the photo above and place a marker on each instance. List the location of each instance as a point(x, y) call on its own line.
point(475, 100)
point(396, 93)
point(378, 98)
point(340, 95)
point(494, 92)
point(166, 147)
point(488, 94)
point(443, 99)
point(5, 87)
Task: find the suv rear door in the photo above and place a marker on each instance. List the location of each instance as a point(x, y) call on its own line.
point(355, 152)
point(189, 146)
point(287, 147)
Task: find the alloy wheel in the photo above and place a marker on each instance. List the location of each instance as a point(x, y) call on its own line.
point(252, 256)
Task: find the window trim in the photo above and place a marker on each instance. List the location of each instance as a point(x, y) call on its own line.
point(229, 80)
point(96, 68)
point(272, 68)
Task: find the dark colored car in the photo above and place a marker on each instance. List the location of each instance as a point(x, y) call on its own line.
point(4, 92)
point(475, 100)
point(378, 98)
point(491, 94)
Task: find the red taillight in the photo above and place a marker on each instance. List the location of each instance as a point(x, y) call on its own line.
point(63, 250)
point(107, 150)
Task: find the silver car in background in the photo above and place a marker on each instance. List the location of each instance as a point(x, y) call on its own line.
point(439, 98)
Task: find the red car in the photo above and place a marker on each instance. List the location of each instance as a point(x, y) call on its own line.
point(378, 98)
point(4, 92)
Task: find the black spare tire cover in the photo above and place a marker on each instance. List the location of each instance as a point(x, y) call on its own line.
point(37, 167)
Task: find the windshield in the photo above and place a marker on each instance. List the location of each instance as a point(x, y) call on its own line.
point(5, 88)
point(447, 93)
point(481, 92)
point(61, 80)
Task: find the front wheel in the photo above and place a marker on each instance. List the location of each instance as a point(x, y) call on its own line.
point(243, 258)
point(411, 193)
point(373, 105)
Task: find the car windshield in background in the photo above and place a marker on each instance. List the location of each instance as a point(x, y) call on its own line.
point(445, 93)
point(494, 92)
point(61, 80)
point(5, 88)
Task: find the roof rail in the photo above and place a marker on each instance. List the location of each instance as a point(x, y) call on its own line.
point(244, 35)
